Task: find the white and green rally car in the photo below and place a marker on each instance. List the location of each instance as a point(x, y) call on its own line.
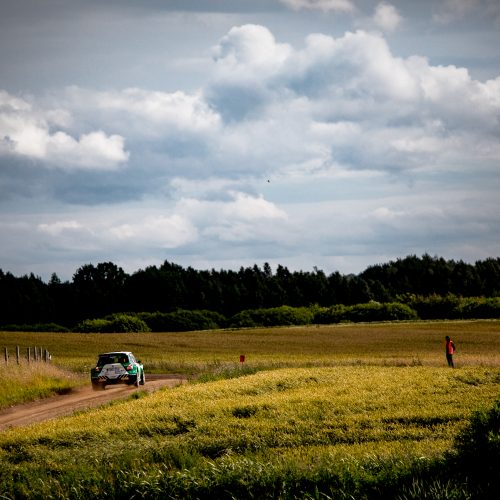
point(117, 368)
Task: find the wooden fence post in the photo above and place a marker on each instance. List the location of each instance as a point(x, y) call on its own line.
point(39, 354)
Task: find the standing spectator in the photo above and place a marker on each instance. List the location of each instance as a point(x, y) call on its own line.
point(450, 350)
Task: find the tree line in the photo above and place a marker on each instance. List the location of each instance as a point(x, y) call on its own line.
point(97, 291)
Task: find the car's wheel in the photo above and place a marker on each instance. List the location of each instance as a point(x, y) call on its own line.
point(143, 378)
point(97, 386)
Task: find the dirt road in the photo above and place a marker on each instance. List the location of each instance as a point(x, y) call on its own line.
point(78, 399)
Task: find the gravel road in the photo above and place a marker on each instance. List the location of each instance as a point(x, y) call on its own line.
point(78, 399)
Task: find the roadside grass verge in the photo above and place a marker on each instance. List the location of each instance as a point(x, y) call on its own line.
point(20, 383)
point(330, 432)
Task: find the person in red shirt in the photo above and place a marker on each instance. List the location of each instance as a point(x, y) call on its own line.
point(450, 350)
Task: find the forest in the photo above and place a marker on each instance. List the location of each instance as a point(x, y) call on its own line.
point(97, 291)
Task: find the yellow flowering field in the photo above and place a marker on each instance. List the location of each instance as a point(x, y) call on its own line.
point(286, 408)
point(286, 415)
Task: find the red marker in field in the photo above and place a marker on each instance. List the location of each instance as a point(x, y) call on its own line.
point(242, 358)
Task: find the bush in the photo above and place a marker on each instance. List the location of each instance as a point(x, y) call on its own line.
point(394, 311)
point(275, 316)
point(452, 307)
point(243, 319)
point(329, 315)
point(126, 323)
point(479, 308)
point(116, 323)
point(92, 326)
point(183, 320)
point(477, 451)
point(436, 306)
point(285, 315)
point(374, 311)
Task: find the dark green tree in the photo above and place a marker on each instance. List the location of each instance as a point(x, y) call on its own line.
point(99, 289)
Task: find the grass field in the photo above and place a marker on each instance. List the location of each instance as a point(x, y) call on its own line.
point(414, 343)
point(348, 411)
point(27, 382)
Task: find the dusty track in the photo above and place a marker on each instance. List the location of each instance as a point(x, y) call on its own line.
point(78, 399)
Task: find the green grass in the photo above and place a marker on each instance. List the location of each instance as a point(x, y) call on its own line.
point(346, 411)
point(24, 382)
point(344, 424)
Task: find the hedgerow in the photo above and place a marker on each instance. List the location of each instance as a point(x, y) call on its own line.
point(410, 307)
point(372, 311)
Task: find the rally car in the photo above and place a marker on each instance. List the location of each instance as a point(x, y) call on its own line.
point(117, 368)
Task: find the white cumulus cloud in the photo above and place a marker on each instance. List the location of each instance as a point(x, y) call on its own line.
point(387, 17)
point(164, 231)
point(352, 88)
point(27, 132)
point(241, 218)
point(188, 112)
point(93, 150)
point(271, 108)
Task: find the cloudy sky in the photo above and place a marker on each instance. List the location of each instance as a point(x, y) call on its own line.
point(227, 133)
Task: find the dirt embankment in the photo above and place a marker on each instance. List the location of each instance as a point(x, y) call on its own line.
point(78, 399)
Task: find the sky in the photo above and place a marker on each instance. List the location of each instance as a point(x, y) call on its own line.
point(335, 134)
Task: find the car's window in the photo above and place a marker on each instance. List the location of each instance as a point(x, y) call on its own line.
point(108, 360)
point(132, 359)
point(105, 360)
